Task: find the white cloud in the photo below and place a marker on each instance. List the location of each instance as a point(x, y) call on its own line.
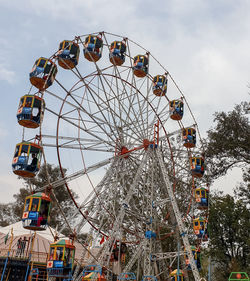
point(6, 74)
point(10, 185)
point(3, 132)
point(228, 183)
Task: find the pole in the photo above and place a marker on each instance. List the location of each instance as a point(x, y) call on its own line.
point(6, 261)
point(31, 249)
point(178, 217)
point(209, 269)
point(178, 261)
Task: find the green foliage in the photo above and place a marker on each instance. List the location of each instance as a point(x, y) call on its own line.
point(229, 222)
point(7, 215)
point(228, 142)
point(82, 238)
point(243, 190)
point(228, 146)
point(19, 202)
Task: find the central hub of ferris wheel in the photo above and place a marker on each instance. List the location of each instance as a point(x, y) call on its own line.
point(124, 151)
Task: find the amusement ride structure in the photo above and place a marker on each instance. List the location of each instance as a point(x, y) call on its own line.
point(137, 158)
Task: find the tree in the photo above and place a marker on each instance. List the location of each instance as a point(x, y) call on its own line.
point(19, 202)
point(228, 146)
point(229, 224)
point(7, 215)
point(228, 142)
point(242, 191)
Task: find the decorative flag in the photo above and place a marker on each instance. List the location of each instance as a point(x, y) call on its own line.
point(102, 240)
point(6, 238)
point(50, 264)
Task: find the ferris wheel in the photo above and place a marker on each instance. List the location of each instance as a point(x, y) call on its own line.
point(136, 160)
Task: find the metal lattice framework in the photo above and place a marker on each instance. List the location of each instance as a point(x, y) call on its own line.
point(129, 167)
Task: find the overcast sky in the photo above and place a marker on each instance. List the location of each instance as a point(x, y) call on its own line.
point(204, 44)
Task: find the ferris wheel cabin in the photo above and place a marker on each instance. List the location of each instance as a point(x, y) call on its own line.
point(36, 211)
point(197, 166)
point(61, 259)
point(140, 66)
point(160, 85)
point(176, 108)
point(238, 276)
point(177, 276)
point(117, 53)
point(118, 249)
point(30, 111)
point(200, 228)
point(91, 271)
point(189, 137)
point(196, 254)
point(149, 278)
point(93, 48)
point(68, 54)
point(26, 160)
point(201, 197)
point(126, 276)
point(43, 73)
